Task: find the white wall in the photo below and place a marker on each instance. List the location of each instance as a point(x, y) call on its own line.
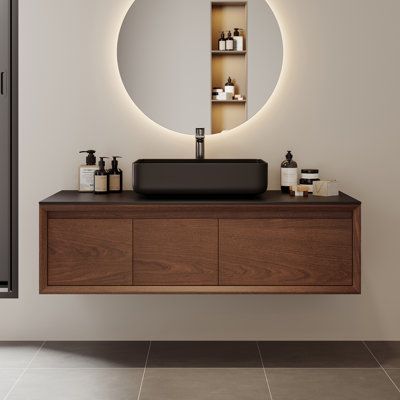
point(336, 108)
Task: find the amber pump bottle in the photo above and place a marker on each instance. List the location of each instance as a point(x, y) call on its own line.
point(288, 173)
point(230, 43)
point(101, 179)
point(222, 42)
point(115, 176)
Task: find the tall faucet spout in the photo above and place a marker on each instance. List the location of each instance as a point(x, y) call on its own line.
point(200, 143)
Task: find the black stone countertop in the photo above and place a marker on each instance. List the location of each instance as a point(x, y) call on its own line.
point(273, 197)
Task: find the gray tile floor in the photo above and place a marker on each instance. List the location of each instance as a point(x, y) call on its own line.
point(200, 370)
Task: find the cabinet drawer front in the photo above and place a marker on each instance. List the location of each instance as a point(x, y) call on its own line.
point(279, 252)
point(175, 252)
point(89, 252)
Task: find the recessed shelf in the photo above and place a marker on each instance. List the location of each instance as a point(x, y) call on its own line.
point(229, 101)
point(228, 53)
point(228, 3)
point(225, 15)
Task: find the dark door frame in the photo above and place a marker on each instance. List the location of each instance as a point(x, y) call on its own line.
point(13, 281)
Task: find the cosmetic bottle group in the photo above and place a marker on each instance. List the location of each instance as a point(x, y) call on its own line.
point(231, 43)
point(98, 179)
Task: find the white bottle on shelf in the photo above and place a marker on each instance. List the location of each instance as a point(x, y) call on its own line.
point(239, 40)
point(230, 87)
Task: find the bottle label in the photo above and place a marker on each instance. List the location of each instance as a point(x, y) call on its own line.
point(86, 179)
point(115, 183)
point(222, 45)
point(238, 43)
point(288, 176)
point(229, 44)
point(230, 89)
point(100, 183)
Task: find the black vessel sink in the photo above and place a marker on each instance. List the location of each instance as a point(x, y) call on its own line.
point(200, 177)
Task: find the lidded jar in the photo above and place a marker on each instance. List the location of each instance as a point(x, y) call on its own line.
point(308, 177)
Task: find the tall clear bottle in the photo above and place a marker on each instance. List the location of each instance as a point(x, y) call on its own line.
point(289, 173)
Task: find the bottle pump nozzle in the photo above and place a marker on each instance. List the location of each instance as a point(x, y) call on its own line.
point(91, 158)
point(102, 163)
point(114, 162)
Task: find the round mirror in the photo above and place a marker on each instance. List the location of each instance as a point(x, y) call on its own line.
point(191, 64)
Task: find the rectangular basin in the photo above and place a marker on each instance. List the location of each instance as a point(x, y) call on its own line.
point(200, 177)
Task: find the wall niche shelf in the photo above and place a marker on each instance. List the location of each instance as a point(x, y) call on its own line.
point(228, 53)
point(229, 101)
point(225, 16)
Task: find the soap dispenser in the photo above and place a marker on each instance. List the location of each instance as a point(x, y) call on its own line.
point(86, 172)
point(115, 176)
point(230, 87)
point(222, 42)
point(288, 173)
point(101, 180)
point(229, 42)
point(238, 38)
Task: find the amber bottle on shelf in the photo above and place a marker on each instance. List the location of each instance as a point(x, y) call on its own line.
point(222, 42)
point(230, 43)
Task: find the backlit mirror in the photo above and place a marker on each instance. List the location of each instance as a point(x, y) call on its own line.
point(191, 64)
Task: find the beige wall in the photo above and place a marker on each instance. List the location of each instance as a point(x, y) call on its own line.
point(337, 108)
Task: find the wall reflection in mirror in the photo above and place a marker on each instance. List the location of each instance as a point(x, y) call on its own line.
point(194, 63)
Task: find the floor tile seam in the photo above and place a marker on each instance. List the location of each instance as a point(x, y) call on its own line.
point(144, 371)
point(23, 371)
point(265, 372)
point(383, 369)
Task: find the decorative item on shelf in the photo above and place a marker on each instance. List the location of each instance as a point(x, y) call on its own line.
point(230, 87)
point(224, 96)
point(299, 190)
point(216, 92)
point(308, 177)
point(86, 172)
point(115, 176)
point(229, 43)
point(288, 173)
point(326, 188)
point(101, 178)
point(222, 42)
point(239, 97)
point(238, 39)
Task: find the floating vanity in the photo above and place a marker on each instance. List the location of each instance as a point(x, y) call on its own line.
point(272, 243)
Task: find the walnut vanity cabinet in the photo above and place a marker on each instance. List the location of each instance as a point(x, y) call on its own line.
point(123, 243)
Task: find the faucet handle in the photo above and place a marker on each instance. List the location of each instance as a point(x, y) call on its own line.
point(200, 133)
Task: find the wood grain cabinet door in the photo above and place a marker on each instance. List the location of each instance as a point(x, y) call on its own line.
point(278, 252)
point(175, 252)
point(89, 252)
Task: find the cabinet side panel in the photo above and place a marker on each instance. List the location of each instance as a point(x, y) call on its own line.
point(357, 249)
point(42, 249)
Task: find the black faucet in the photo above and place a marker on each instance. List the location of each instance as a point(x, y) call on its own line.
point(200, 137)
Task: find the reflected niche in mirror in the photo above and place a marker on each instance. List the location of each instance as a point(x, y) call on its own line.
point(195, 63)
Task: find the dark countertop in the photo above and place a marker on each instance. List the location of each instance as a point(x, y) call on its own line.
point(273, 197)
